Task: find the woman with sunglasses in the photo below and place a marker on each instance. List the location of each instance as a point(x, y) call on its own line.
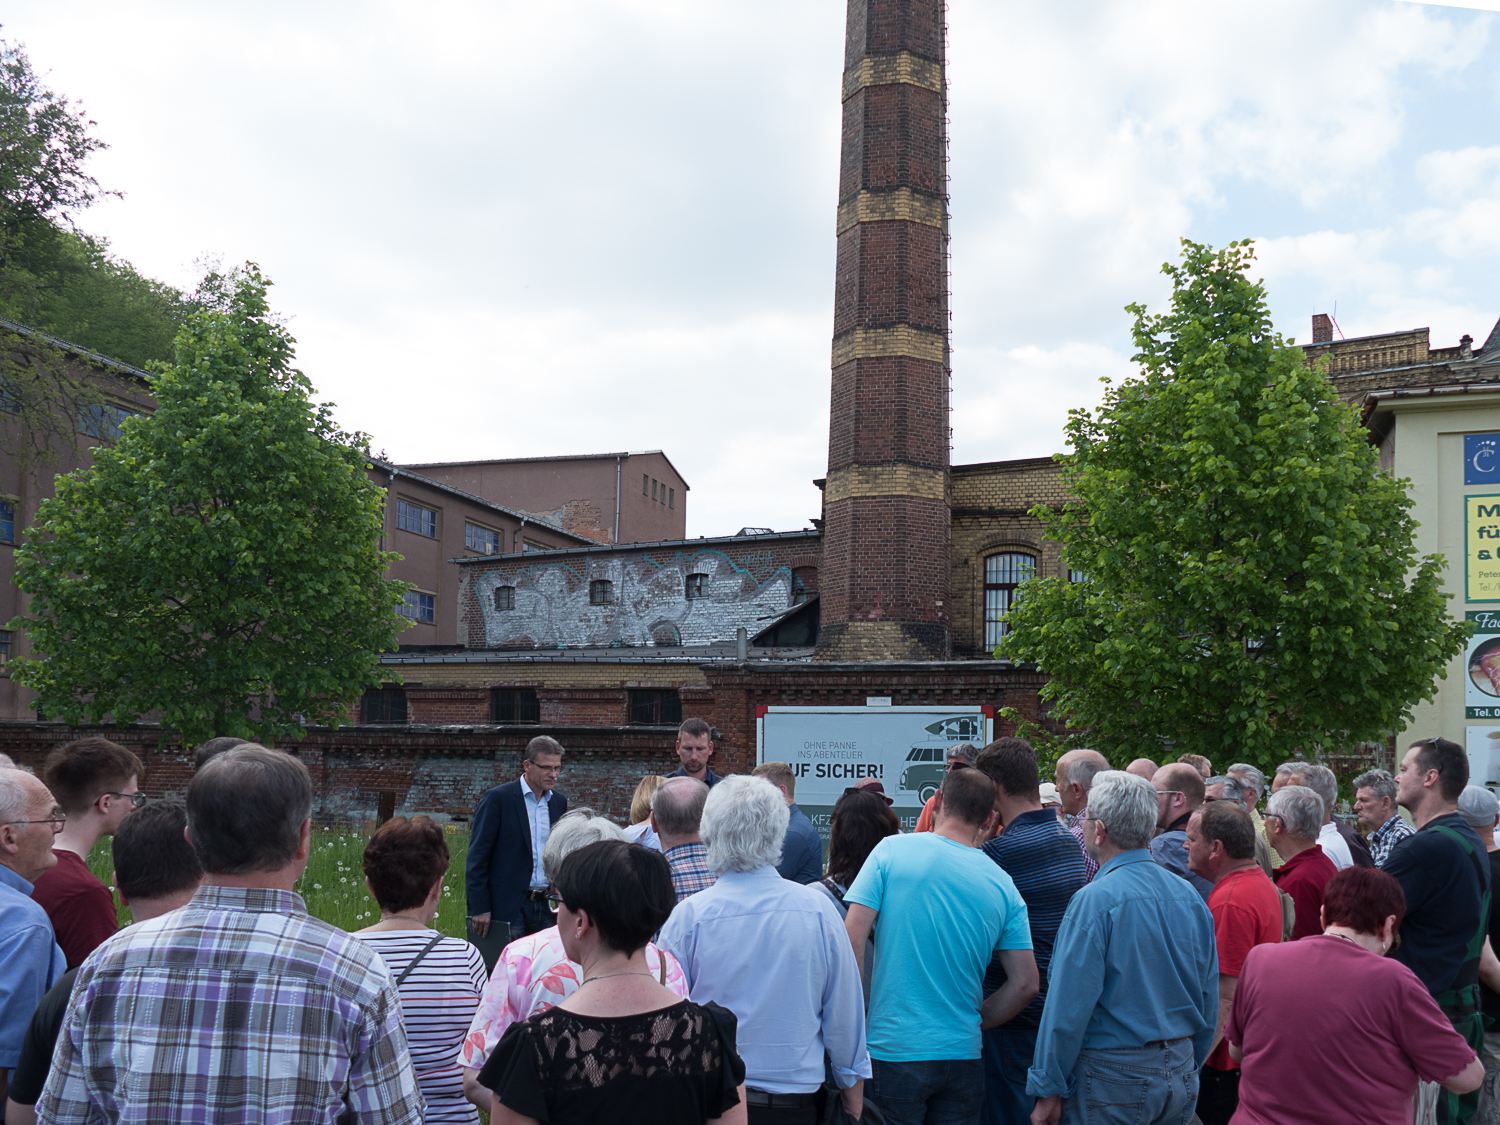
point(623, 1047)
point(535, 972)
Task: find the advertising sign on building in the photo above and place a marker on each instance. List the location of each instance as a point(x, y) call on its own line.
point(1482, 459)
point(1482, 665)
point(831, 748)
point(1482, 548)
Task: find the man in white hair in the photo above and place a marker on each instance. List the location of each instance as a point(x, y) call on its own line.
point(774, 953)
point(1138, 1012)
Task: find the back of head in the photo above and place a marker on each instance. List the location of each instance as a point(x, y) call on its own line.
point(578, 829)
point(625, 889)
point(1126, 805)
point(1300, 810)
point(860, 820)
point(1321, 780)
point(1012, 767)
point(744, 823)
point(1380, 783)
point(1199, 763)
point(6, 763)
point(1251, 777)
point(1142, 767)
point(403, 860)
point(1183, 778)
point(969, 796)
point(640, 800)
point(1082, 766)
point(214, 747)
point(1478, 806)
point(245, 810)
point(81, 772)
point(1451, 762)
point(1234, 790)
point(1229, 823)
point(1362, 898)
point(777, 773)
point(678, 805)
point(152, 859)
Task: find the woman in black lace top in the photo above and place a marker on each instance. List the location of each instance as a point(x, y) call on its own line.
point(622, 1048)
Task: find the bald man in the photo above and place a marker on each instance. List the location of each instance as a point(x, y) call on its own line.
point(1179, 794)
point(1075, 776)
point(1142, 767)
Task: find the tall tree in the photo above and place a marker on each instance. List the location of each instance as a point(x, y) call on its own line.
point(1251, 586)
point(219, 564)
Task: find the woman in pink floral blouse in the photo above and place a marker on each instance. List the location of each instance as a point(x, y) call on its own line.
point(533, 973)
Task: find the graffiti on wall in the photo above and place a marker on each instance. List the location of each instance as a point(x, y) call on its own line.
point(690, 598)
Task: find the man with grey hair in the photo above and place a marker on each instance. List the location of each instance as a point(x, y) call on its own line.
point(1231, 789)
point(1254, 782)
point(1138, 1014)
point(1294, 817)
point(676, 809)
point(774, 953)
point(1074, 773)
point(240, 1006)
point(30, 961)
point(1375, 807)
point(961, 756)
point(1334, 836)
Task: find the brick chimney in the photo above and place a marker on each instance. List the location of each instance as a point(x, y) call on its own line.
point(884, 582)
point(1322, 328)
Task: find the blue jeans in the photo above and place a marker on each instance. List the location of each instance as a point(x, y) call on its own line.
point(1007, 1058)
point(1134, 1086)
point(930, 1092)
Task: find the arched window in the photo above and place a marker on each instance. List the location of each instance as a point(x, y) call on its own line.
point(1003, 576)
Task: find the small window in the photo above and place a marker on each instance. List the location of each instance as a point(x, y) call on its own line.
point(514, 705)
point(4, 644)
point(7, 522)
point(1076, 576)
point(601, 592)
point(481, 539)
point(531, 546)
point(384, 705)
point(415, 518)
point(645, 484)
point(653, 489)
point(102, 420)
point(697, 585)
point(421, 608)
point(671, 498)
point(505, 597)
point(658, 708)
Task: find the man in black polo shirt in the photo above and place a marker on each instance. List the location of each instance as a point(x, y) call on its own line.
point(1445, 873)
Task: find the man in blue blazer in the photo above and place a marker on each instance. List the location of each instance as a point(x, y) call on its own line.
point(505, 886)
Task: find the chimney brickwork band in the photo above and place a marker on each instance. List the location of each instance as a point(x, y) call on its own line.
point(884, 583)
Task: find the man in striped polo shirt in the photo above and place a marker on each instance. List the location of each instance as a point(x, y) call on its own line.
point(1044, 861)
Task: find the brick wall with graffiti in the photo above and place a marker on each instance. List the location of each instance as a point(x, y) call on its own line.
point(689, 592)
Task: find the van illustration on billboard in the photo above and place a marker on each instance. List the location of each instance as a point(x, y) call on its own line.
point(960, 728)
point(924, 771)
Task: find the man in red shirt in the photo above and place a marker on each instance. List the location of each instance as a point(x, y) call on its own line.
point(1247, 913)
point(1294, 817)
point(96, 784)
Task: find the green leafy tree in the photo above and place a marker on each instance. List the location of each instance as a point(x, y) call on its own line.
point(219, 564)
point(1251, 588)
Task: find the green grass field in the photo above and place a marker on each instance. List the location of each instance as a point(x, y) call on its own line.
point(334, 884)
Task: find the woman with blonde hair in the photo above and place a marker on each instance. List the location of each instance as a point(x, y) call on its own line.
point(640, 831)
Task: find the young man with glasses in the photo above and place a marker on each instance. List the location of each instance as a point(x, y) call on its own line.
point(96, 783)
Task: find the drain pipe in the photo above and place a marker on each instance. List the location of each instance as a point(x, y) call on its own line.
point(617, 497)
point(515, 538)
point(741, 644)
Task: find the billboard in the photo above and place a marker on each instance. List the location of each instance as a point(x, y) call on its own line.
point(1482, 548)
point(831, 748)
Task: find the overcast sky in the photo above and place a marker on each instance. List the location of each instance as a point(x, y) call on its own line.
point(504, 229)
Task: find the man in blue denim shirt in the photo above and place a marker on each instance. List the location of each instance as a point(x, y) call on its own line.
point(1130, 1015)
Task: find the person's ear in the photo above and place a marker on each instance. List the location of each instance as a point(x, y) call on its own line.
point(304, 839)
point(937, 802)
point(651, 819)
point(115, 883)
point(1322, 918)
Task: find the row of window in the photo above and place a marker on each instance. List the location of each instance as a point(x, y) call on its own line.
point(486, 540)
point(602, 592)
point(658, 492)
point(101, 420)
point(520, 705)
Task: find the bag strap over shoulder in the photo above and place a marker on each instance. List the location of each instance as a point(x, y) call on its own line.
point(412, 964)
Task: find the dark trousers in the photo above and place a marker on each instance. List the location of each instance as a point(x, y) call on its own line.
point(1218, 1095)
point(931, 1092)
point(783, 1115)
point(1007, 1058)
point(534, 916)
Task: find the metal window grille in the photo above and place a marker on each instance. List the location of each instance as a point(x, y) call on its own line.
point(421, 608)
point(601, 592)
point(657, 708)
point(697, 585)
point(505, 597)
point(514, 705)
point(1003, 577)
point(384, 705)
point(7, 522)
point(415, 518)
point(481, 539)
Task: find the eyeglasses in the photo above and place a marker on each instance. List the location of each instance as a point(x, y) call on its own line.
point(1273, 816)
point(1169, 793)
point(57, 820)
point(958, 764)
point(136, 799)
point(554, 901)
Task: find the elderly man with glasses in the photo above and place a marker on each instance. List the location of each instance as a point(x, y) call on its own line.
point(30, 961)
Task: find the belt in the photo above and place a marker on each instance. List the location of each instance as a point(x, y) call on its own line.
point(1168, 1042)
point(534, 895)
point(774, 1101)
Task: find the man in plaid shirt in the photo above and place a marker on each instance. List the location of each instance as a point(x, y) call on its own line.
point(239, 1007)
point(676, 808)
point(1375, 807)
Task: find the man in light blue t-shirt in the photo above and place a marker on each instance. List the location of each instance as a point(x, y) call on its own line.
point(941, 909)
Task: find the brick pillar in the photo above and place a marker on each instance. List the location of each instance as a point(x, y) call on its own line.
point(884, 583)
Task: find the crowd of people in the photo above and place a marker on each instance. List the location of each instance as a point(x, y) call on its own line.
point(1136, 945)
